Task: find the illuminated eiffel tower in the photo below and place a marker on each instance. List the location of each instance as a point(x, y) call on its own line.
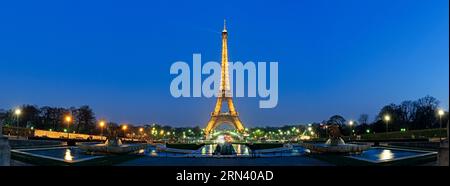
point(218, 117)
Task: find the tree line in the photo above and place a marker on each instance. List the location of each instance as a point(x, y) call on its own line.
point(51, 118)
point(408, 115)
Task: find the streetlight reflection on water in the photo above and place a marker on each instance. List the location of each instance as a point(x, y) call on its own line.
point(68, 155)
point(142, 151)
point(386, 154)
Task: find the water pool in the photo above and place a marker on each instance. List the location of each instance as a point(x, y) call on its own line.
point(65, 154)
point(240, 151)
point(380, 155)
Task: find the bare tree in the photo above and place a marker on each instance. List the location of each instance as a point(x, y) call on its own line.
point(363, 119)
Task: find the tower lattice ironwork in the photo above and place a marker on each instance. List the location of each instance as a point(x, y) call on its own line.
point(218, 117)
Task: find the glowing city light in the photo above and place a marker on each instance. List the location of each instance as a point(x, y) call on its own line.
point(220, 139)
point(441, 112)
point(387, 118)
point(18, 112)
point(102, 123)
point(68, 119)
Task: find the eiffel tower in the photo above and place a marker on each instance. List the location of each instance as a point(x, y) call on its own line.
point(218, 117)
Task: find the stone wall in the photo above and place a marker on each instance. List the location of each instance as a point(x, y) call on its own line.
point(443, 155)
point(17, 143)
point(5, 152)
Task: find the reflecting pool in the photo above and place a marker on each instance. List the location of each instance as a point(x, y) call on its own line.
point(240, 151)
point(379, 155)
point(65, 154)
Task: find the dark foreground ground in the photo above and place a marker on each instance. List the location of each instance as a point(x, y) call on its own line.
point(275, 161)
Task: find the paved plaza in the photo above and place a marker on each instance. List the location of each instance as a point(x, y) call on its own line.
point(274, 161)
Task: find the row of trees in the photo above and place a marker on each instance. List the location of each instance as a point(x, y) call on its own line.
point(408, 115)
point(84, 121)
point(52, 118)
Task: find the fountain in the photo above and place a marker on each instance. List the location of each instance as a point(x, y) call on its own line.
point(335, 144)
point(224, 149)
point(113, 145)
point(224, 146)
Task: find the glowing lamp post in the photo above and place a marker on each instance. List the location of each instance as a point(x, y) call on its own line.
point(17, 112)
point(387, 118)
point(68, 120)
point(350, 123)
point(102, 124)
point(125, 128)
point(141, 131)
point(440, 113)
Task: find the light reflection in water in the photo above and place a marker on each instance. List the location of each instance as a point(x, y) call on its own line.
point(246, 151)
point(203, 151)
point(142, 151)
point(207, 150)
point(68, 155)
point(241, 149)
point(386, 154)
point(153, 153)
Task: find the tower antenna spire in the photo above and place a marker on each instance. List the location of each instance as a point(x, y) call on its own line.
point(224, 25)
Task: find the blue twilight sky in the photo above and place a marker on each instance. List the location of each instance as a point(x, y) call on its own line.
point(335, 57)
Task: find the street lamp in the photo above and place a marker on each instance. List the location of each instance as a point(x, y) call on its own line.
point(17, 112)
point(102, 124)
point(440, 113)
point(387, 118)
point(351, 122)
point(125, 128)
point(141, 130)
point(68, 120)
